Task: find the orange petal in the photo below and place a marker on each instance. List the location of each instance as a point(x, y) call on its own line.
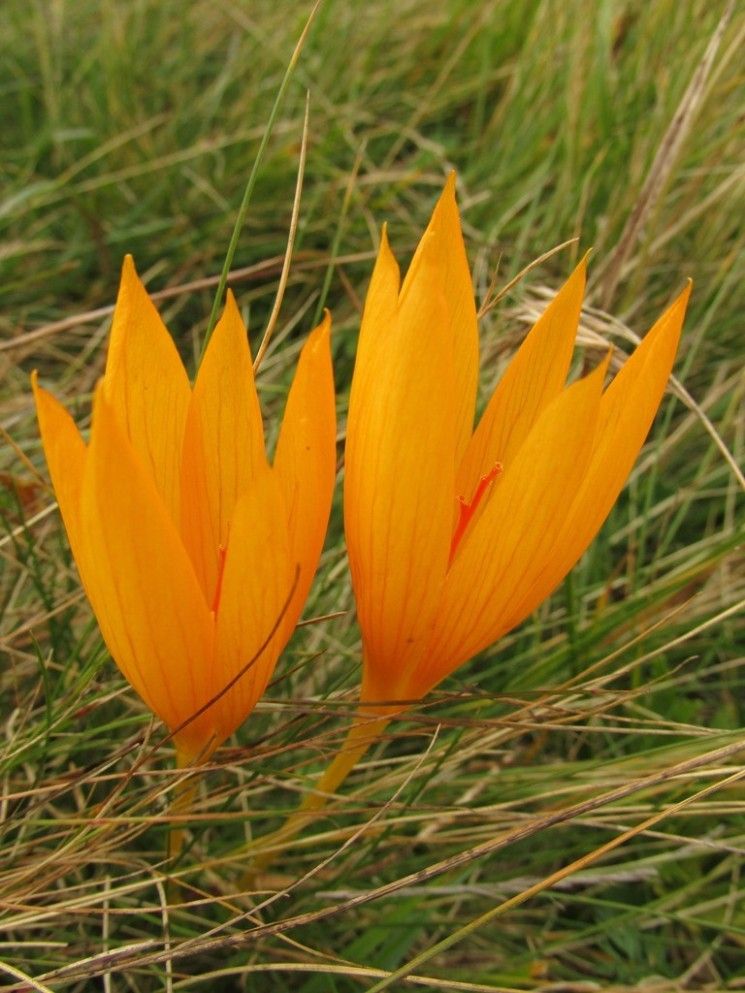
point(256, 583)
point(520, 533)
point(457, 286)
point(141, 583)
point(305, 459)
point(380, 309)
point(65, 453)
point(146, 385)
point(223, 444)
point(627, 410)
point(399, 477)
point(534, 377)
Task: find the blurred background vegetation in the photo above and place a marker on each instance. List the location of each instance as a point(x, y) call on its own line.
point(132, 126)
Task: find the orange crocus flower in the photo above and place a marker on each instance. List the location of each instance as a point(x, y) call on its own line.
point(455, 536)
point(188, 542)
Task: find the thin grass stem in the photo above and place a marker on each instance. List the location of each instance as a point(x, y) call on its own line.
point(248, 192)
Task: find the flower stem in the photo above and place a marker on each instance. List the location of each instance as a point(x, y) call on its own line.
point(184, 794)
point(364, 732)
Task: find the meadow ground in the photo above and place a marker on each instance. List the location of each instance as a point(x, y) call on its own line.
point(565, 813)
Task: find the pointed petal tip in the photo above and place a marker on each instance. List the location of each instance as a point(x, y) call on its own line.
point(320, 336)
point(385, 251)
point(230, 327)
point(41, 397)
point(685, 294)
point(231, 305)
point(604, 363)
point(447, 200)
point(578, 275)
point(677, 309)
point(128, 267)
point(670, 323)
point(44, 401)
point(596, 376)
point(129, 280)
point(424, 275)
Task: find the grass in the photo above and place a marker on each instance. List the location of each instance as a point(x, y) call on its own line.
point(611, 716)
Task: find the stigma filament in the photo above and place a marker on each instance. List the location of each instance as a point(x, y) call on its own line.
point(466, 509)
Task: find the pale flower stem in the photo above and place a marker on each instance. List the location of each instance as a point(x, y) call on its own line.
point(184, 795)
point(363, 733)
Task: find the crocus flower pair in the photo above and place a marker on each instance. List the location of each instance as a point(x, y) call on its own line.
point(197, 554)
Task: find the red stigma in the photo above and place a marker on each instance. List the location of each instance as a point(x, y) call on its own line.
point(221, 555)
point(466, 510)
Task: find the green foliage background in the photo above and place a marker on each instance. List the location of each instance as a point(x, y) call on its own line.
point(132, 126)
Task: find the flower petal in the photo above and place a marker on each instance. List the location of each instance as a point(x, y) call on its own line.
point(65, 453)
point(457, 286)
point(141, 583)
point(533, 378)
point(627, 409)
point(305, 459)
point(379, 314)
point(257, 581)
point(518, 536)
point(398, 488)
point(223, 444)
point(147, 386)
